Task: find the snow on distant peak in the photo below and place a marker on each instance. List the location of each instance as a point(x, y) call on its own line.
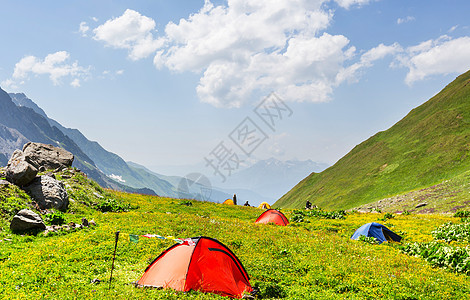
point(116, 177)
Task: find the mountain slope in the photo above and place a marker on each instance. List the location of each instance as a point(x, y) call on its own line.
point(34, 127)
point(20, 124)
point(427, 146)
point(109, 163)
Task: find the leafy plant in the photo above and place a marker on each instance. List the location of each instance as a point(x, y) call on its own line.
point(112, 205)
point(368, 239)
point(55, 218)
point(441, 255)
point(452, 232)
point(386, 217)
point(462, 214)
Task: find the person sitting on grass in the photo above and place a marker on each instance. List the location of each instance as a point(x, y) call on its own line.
point(308, 205)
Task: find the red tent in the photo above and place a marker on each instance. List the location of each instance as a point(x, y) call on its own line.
point(202, 264)
point(272, 216)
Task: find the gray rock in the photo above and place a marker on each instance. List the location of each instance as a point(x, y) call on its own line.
point(48, 193)
point(4, 182)
point(26, 219)
point(47, 156)
point(421, 204)
point(92, 223)
point(19, 171)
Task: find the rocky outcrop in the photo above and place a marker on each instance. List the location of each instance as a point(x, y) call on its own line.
point(26, 220)
point(48, 192)
point(19, 171)
point(70, 226)
point(47, 156)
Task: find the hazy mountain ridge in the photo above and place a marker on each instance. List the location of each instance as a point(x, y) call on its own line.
point(24, 121)
point(109, 163)
point(272, 178)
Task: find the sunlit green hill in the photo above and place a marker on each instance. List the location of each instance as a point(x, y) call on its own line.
point(429, 145)
point(313, 259)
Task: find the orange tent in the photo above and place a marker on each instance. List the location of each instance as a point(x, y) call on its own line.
point(264, 205)
point(201, 264)
point(272, 216)
point(229, 202)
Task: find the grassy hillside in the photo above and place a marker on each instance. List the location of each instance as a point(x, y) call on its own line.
point(447, 196)
point(314, 259)
point(427, 146)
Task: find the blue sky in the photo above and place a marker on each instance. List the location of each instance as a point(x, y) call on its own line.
point(163, 83)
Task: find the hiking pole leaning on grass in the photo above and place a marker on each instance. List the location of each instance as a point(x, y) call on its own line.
point(114, 256)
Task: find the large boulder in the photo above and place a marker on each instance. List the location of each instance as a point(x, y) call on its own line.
point(48, 192)
point(19, 171)
point(47, 156)
point(26, 219)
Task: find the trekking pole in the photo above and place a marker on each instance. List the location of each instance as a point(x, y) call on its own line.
point(114, 256)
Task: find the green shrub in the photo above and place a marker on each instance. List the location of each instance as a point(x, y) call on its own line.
point(55, 218)
point(452, 232)
point(462, 214)
point(368, 239)
point(386, 217)
point(441, 255)
point(112, 205)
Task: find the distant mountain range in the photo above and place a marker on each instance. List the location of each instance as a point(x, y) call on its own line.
point(271, 178)
point(22, 120)
point(429, 145)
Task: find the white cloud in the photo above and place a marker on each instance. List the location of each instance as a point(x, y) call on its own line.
point(380, 52)
point(119, 72)
point(75, 83)
point(436, 57)
point(452, 29)
point(284, 53)
point(83, 29)
point(130, 31)
point(9, 84)
point(405, 20)
point(247, 48)
point(55, 65)
point(348, 3)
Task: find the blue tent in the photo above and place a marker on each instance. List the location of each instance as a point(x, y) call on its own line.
point(380, 232)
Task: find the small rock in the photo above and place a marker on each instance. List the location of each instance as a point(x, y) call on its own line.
point(98, 195)
point(26, 219)
point(421, 204)
point(85, 222)
point(48, 156)
point(95, 281)
point(4, 182)
point(48, 193)
point(19, 171)
point(92, 223)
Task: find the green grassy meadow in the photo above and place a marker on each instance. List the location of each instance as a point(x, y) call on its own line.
point(314, 259)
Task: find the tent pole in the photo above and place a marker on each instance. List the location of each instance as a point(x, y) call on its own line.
point(114, 256)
